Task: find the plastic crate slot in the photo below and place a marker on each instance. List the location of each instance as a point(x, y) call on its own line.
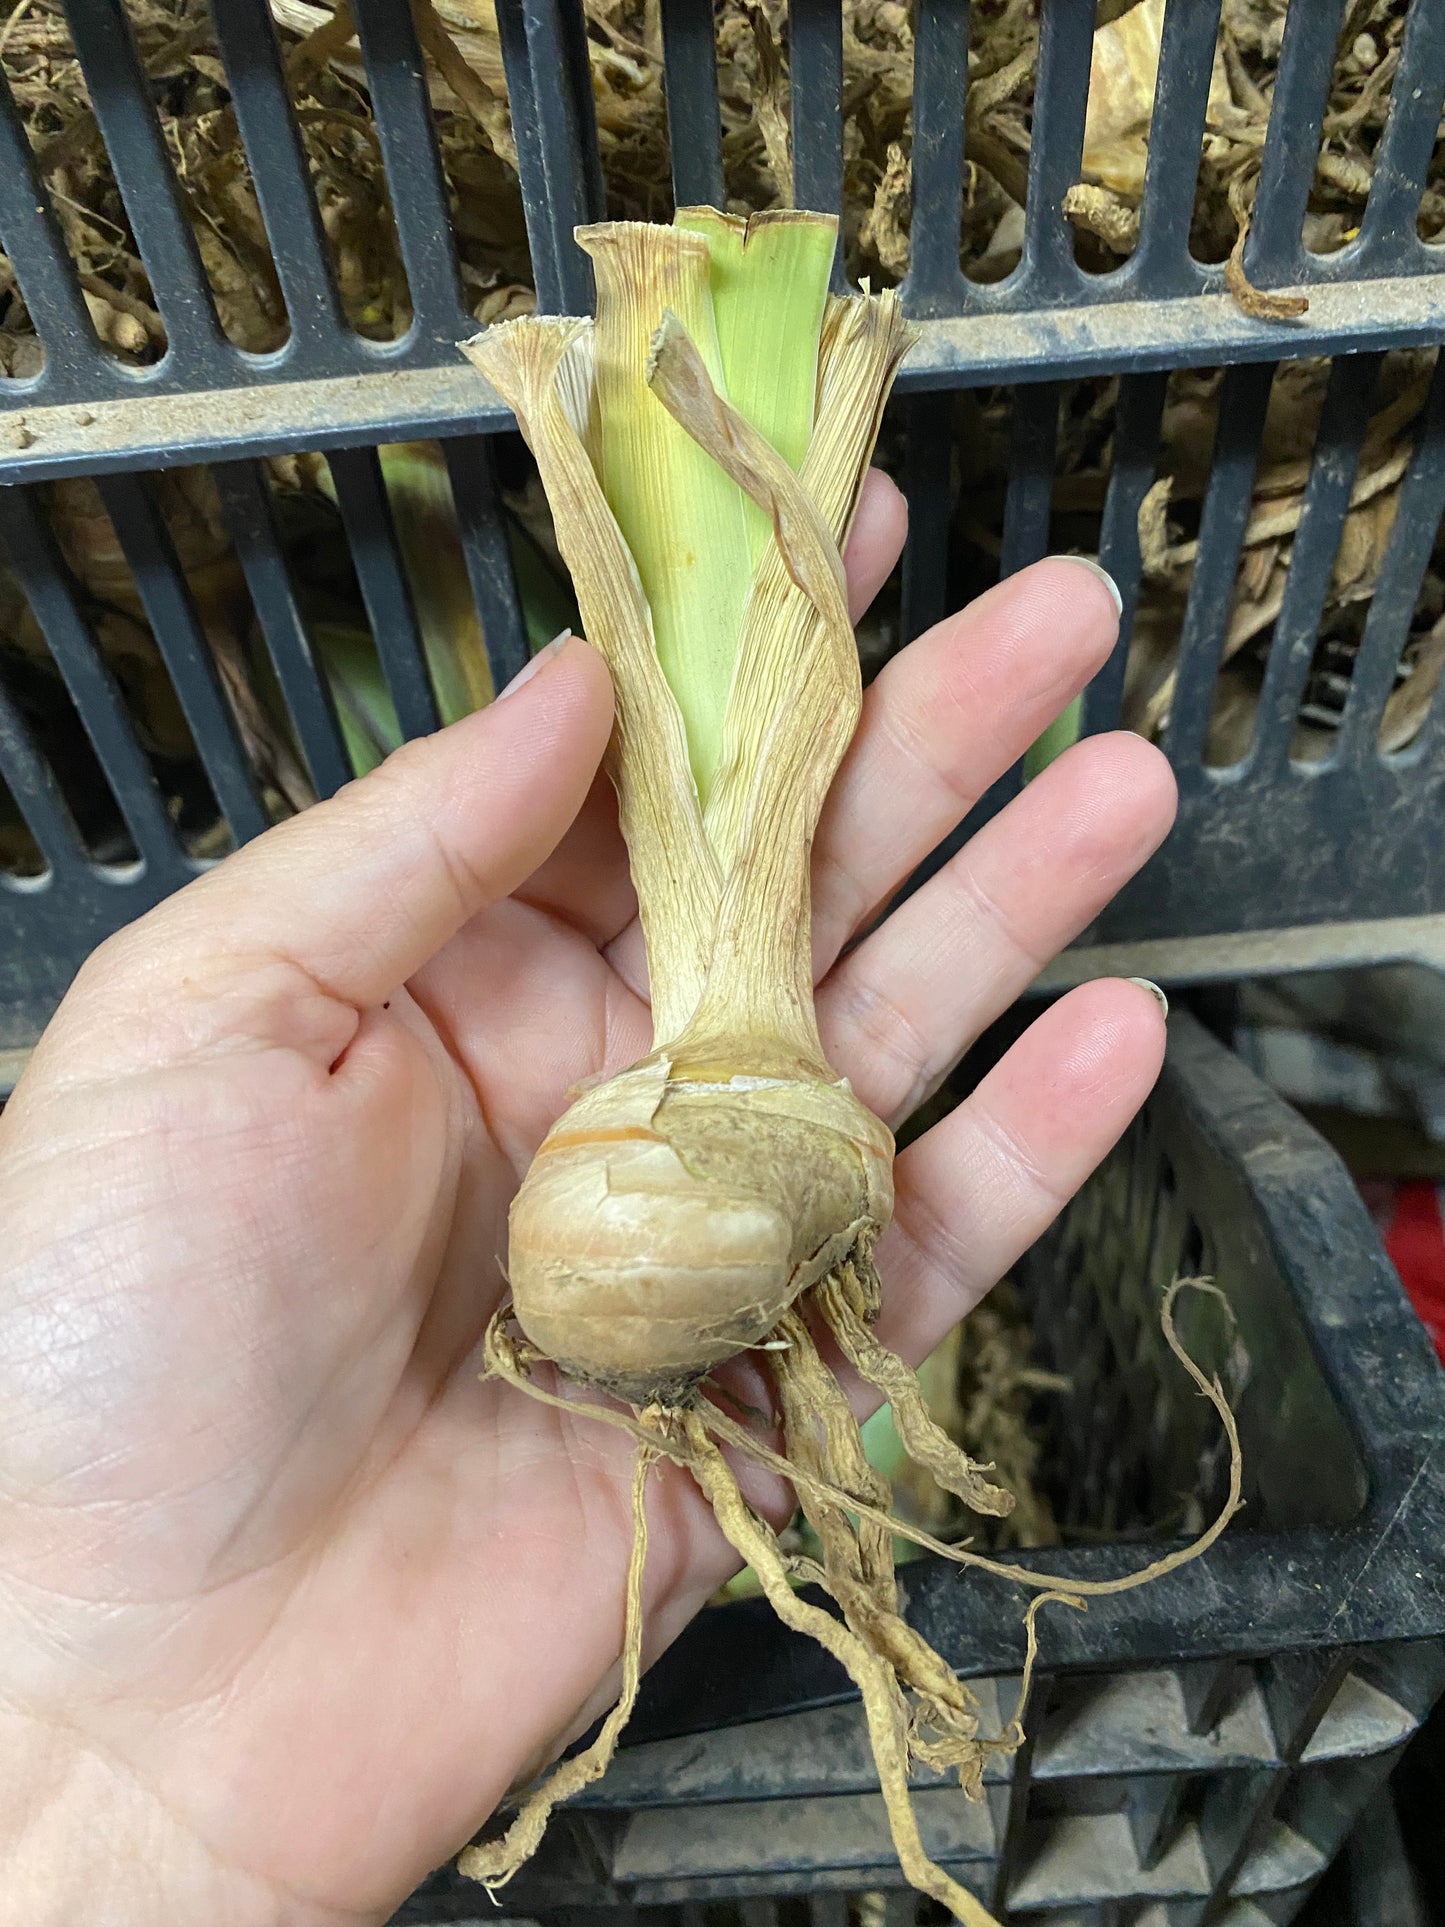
point(689, 49)
point(1298, 650)
point(116, 794)
point(934, 283)
point(1162, 264)
point(166, 597)
point(488, 557)
point(1274, 252)
point(361, 494)
point(794, 1839)
point(1056, 140)
point(65, 346)
point(281, 178)
point(544, 48)
point(1080, 1858)
point(815, 106)
point(1137, 1722)
point(1119, 135)
point(1360, 1720)
point(1227, 502)
point(995, 209)
point(927, 481)
point(51, 240)
point(46, 840)
point(1390, 622)
point(21, 859)
point(250, 516)
point(196, 347)
point(1131, 475)
point(396, 78)
point(1395, 220)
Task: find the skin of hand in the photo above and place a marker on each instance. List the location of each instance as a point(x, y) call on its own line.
point(289, 1596)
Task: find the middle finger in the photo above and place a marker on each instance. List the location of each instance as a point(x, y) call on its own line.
point(945, 719)
point(898, 1012)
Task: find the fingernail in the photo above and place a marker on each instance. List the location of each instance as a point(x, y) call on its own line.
point(1095, 568)
point(1146, 983)
point(543, 656)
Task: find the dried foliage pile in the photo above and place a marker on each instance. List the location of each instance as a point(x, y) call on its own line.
point(1169, 519)
point(178, 50)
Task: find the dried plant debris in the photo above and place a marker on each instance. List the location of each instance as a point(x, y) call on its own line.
point(1168, 526)
point(467, 86)
point(176, 43)
point(985, 1390)
point(1105, 203)
point(468, 90)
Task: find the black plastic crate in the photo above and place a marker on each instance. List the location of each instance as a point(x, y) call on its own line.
point(1197, 1750)
point(1341, 856)
point(1200, 1746)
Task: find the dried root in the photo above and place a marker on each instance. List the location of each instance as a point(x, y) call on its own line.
point(918, 1711)
point(848, 1300)
point(496, 1861)
point(883, 1702)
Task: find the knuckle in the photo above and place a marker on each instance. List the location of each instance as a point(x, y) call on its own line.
point(886, 1038)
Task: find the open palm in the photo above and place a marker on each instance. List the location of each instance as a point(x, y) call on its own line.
point(288, 1596)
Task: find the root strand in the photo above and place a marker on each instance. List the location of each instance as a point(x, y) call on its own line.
point(495, 1862)
point(883, 1702)
point(845, 1303)
point(846, 1501)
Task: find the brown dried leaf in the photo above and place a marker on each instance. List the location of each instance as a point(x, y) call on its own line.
point(1105, 214)
point(1409, 703)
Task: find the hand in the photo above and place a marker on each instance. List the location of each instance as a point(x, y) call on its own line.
point(288, 1596)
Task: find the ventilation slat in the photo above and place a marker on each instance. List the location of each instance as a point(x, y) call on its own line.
point(689, 52)
point(1243, 399)
point(936, 284)
point(928, 485)
point(361, 493)
point(41, 572)
point(1033, 450)
point(1274, 251)
point(246, 504)
point(549, 83)
point(815, 81)
point(37, 795)
point(1136, 453)
point(488, 557)
point(1343, 420)
point(1162, 264)
point(1428, 744)
point(1388, 237)
point(148, 186)
point(1056, 146)
point(396, 76)
point(185, 650)
point(247, 40)
point(1407, 555)
point(32, 239)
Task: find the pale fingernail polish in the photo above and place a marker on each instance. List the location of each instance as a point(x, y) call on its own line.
point(543, 656)
point(1097, 568)
point(1147, 983)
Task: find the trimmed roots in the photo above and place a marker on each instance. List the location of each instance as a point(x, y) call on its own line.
point(918, 1711)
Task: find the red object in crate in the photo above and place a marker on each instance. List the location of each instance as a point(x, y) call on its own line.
point(1411, 1217)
